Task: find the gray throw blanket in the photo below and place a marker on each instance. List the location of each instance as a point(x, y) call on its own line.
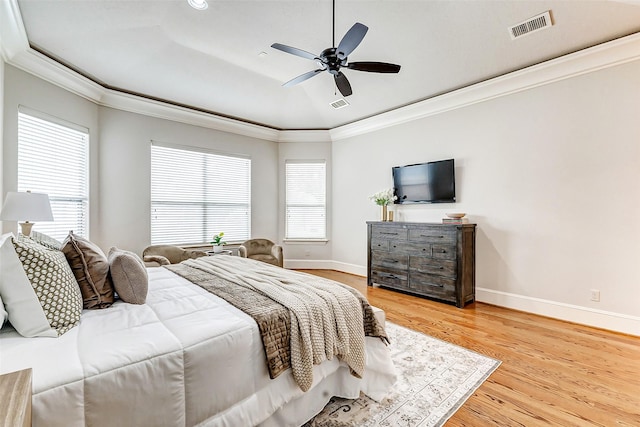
point(303, 319)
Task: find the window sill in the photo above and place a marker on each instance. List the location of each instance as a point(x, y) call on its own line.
point(305, 241)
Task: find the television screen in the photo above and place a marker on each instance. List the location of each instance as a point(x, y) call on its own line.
point(432, 182)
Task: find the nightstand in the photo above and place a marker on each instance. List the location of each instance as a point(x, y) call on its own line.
point(15, 398)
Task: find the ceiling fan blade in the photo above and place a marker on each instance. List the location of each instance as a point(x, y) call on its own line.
point(302, 77)
point(294, 51)
point(351, 40)
point(374, 67)
point(343, 84)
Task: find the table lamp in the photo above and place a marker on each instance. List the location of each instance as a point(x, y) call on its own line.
point(27, 206)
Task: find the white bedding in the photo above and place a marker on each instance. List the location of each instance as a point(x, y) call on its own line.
point(184, 358)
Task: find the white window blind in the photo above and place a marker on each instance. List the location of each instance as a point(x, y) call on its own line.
point(53, 158)
point(305, 200)
point(196, 194)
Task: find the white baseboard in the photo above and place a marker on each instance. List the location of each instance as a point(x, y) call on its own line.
point(311, 264)
point(572, 313)
point(358, 270)
point(308, 264)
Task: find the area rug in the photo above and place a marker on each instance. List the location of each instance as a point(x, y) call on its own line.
point(434, 379)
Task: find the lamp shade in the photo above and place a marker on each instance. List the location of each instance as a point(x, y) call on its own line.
point(26, 207)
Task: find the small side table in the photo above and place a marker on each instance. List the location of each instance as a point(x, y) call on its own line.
point(15, 398)
point(225, 252)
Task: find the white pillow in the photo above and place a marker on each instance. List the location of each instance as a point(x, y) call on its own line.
point(54, 282)
point(3, 313)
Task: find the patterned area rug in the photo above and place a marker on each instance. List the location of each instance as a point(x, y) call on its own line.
point(434, 379)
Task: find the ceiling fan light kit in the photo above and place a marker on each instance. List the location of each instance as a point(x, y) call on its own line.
point(334, 58)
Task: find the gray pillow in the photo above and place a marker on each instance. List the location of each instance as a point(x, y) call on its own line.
point(129, 276)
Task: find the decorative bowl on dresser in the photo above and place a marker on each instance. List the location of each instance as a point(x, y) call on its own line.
point(433, 260)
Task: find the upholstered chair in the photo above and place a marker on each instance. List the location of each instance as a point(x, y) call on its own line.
point(168, 254)
point(262, 250)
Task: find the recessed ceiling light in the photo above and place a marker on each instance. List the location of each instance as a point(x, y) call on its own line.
point(198, 4)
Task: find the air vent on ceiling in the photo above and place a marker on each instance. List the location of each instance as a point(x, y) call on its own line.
point(340, 103)
point(531, 25)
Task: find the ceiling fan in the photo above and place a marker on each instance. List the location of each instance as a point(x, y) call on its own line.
point(334, 58)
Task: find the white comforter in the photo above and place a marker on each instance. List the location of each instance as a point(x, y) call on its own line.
point(184, 358)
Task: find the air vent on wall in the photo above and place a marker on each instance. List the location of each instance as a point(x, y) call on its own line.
point(340, 103)
point(531, 25)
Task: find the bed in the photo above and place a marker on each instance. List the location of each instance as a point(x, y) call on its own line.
point(185, 357)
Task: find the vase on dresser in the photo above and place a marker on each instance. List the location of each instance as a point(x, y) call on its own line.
point(385, 213)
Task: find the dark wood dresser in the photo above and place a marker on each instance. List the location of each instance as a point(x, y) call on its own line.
point(427, 259)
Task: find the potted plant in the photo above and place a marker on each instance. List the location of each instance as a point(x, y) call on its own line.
point(218, 243)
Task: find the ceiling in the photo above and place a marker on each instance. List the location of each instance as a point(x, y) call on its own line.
point(211, 60)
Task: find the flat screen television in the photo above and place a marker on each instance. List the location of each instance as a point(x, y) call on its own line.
point(432, 182)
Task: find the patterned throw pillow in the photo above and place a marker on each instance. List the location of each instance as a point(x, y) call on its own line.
point(53, 282)
point(44, 240)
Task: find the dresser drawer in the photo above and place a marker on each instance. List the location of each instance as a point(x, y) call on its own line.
point(380, 245)
point(433, 286)
point(389, 233)
point(390, 277)
point(443, 251)
point(438, 267)
point(395, 261)
point(410, 248)
point(433, 235)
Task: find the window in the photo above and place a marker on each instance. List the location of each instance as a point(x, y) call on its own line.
point(306, 200)
point(53, 158)
point(196, 194)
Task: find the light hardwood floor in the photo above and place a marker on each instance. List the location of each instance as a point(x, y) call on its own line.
point(553, 373)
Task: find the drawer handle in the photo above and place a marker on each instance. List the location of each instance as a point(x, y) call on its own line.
point(392, 260)
point(443, 251)
point(389, 234)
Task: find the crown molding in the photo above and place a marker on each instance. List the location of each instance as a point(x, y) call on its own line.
point(152, 108)
point(13, 37)
point(15, 50)
point(610, 54)
point(304, 136)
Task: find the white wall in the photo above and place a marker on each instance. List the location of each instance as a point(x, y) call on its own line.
point(305, 254)
point(1, 131)
point(125, 168)
point(24, 89)
point(550, 175)
point(120, 160)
